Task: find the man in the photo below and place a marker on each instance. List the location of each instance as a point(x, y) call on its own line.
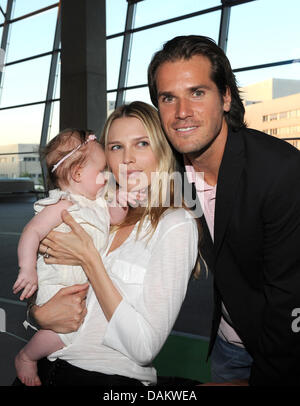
point(251, 221)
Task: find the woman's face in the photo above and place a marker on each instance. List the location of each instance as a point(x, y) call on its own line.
point(129, 154)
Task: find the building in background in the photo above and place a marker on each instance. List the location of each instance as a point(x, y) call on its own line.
point(273, 106)
point(35, 79)
point(20, 160)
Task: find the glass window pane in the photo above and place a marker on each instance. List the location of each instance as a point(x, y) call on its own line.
point(22, 128)
point(25, 82)
point(146, 12)
point(20, 160)
point(32, 36)
point(275, 37)
point(291, 71)
point(141, 94)
point(23, 7)
point(111, 100)
point(21, 125)
point(57, 81)
point(154, 38)
point(3, 6)
point(54, 121)
point(115, 16)
point(113, 53)
point(2, 57)
point(272, 101)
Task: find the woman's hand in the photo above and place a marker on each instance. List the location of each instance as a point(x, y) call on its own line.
point(71, 248)
point(65, 311)
point(77, 248)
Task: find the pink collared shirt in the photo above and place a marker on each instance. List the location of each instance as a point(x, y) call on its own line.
point(207, 196)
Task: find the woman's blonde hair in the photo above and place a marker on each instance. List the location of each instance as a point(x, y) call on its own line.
point(163, 193)
point(161, 190)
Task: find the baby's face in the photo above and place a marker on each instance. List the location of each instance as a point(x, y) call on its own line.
point(92, 176)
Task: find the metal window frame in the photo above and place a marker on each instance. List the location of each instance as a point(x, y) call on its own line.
point(2, 12)
point(7, 25)
point(5, 33)
point(164, 22)
point(126, 51)
point(224, 25)
point(127, 41)
point(48, 103)
point(243, 69)
point(50, 93)
point(127, 35)
point(40, 10)
point(225, 8)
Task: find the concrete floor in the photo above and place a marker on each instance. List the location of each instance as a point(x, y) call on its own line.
point(15, 212)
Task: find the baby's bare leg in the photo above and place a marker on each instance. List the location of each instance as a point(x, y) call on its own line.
point(43, 343)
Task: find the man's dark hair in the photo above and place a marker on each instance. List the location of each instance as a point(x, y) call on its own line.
point(185, 47)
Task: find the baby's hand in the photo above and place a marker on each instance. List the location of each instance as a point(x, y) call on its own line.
point(136, 196)
point(28, 281)
point(132, 197)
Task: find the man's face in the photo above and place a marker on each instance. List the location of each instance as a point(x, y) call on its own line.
point(190, 105)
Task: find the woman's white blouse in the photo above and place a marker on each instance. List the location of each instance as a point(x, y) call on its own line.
point(152, 276)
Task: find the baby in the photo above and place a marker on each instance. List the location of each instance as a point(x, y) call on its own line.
point(76, 164)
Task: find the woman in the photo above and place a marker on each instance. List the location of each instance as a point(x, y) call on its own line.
point(138, 286)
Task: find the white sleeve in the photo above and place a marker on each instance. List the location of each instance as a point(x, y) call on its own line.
point(139, 332)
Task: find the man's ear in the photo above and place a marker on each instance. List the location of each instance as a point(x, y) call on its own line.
point(76, 174)
point(227, 100)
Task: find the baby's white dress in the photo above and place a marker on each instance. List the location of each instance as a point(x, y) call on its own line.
point(93, 216)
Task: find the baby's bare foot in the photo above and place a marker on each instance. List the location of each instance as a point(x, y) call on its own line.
point(27, 370)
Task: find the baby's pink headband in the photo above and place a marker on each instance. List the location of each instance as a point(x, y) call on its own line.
point(91, 137)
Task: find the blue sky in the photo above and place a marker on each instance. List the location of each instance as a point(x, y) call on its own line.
point(262, 31)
